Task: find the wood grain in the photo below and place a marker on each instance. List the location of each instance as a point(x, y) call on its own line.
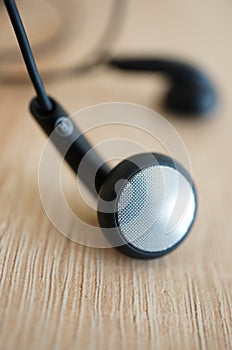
point(55, 294)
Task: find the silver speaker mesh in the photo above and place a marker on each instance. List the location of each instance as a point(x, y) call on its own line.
point(156, 207)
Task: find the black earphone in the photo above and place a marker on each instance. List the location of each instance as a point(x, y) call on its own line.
point(147, 203)
point(191, 92)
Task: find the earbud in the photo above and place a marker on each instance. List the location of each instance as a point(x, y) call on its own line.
point(153, 207)
point(191, 91)
point(147, 203)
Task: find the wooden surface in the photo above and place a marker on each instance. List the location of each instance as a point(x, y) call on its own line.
point(55, 294)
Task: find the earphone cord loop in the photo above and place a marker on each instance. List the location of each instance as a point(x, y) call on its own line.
point(44, 101)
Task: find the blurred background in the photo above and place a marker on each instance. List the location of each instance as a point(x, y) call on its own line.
point(72, 40)
point(77, 33)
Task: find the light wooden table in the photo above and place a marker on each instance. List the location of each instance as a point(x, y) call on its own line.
point(55, 294)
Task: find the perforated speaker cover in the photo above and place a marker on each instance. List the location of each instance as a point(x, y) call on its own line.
point(155, 208)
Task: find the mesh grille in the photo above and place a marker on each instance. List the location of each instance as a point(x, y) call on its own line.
point(155, 208)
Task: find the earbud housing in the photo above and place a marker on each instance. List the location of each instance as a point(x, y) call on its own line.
point(147, 205)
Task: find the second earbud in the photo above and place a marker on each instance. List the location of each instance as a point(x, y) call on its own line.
point(191, 92)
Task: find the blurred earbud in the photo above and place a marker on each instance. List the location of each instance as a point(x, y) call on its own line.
point(191, 91)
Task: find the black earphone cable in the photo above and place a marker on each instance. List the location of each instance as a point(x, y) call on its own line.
point(44, 100)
